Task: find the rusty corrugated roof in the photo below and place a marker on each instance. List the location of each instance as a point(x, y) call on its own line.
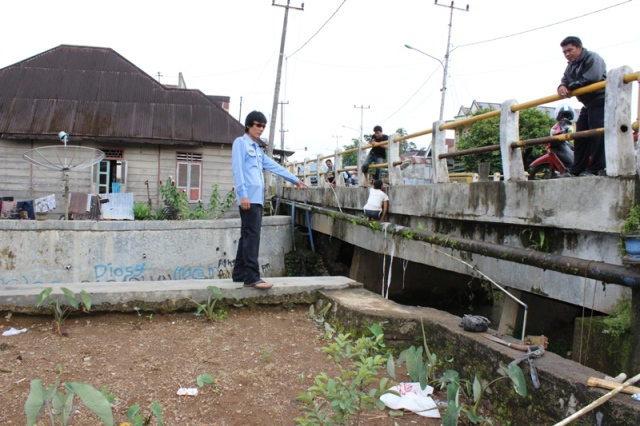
point(95, 93)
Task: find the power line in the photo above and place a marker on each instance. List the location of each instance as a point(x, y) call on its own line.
point(326, 22)
point(412, 96)
point(544, 26)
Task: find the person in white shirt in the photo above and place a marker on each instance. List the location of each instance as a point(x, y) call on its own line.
point(377, 204)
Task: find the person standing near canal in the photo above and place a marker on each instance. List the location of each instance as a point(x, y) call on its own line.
point(376, 154)
point(247, 162)
point(585, 68)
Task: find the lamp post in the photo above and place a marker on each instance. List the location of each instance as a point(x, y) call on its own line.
point(445, 66)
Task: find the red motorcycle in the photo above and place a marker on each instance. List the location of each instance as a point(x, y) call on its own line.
point(559, 156)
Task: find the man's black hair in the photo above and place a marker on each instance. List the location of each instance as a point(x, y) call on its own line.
point(377, 129)
point(328, 159)
point(254, 117)
point(377, 184)
point(573, 40)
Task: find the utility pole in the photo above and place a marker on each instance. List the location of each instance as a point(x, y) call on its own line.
point(446, 57)
point(276, 94)
point(159, 75)
point(240, 113)
point(282, 129)
point(337, 137)
point(362, 108)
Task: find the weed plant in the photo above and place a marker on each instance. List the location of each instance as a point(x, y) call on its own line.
point(59, 406)
point(61, 311)
point(334, 401)
point(458, 389)
point(208, 308)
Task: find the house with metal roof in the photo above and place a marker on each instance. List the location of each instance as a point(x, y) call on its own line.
point(147, 130)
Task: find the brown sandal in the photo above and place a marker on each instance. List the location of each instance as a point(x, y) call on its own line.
point(260, 285)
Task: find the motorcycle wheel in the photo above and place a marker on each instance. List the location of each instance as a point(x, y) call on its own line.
point(542, 172)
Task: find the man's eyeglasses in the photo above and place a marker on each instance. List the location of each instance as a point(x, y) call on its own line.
point(260, 125)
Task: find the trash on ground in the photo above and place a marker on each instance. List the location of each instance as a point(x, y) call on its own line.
point(412, 398)
point(475, 323)
point(541, 340)
point(12, 331)
point(636, 397)
point(188, 391)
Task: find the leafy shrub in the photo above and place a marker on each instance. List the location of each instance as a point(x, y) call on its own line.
point(176, 204)
point(141, 211)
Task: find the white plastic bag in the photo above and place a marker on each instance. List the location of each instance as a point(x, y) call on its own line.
point(12, 331)
point(412, 398)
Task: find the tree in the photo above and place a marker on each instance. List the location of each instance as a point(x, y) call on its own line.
point(533, 124)
point(351, 159)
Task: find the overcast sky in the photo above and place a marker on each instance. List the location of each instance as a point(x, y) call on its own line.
point(339, 54)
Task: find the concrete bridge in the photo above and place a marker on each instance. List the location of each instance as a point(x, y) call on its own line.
point(556, 238)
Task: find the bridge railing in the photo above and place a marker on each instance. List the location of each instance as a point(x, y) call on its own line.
point(619, 148)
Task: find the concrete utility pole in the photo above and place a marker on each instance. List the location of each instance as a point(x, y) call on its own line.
point(282, 127)
point(446, 57)
point(276, 94)
point(362, 108)
point(337, 137)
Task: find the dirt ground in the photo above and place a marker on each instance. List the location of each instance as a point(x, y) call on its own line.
point(260, 357)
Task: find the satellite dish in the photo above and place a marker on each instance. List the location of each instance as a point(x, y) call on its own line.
point(64, 158)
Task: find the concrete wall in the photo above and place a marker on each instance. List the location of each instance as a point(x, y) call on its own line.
point(43, 252)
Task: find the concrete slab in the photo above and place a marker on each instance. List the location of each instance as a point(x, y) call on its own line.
point(125, 296)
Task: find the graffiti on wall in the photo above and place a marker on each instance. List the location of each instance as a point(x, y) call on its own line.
point(111, 272)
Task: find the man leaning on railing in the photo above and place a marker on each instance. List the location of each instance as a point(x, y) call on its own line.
point(585, 68)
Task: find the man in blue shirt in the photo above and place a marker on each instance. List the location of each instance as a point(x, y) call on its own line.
point(247, 162)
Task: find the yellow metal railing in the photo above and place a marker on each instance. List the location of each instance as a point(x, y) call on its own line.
point(627, 78)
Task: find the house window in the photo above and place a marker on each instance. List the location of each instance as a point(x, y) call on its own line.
point(189, 172)
point(110, 174)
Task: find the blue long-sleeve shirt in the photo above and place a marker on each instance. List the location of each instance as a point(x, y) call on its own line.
point(247, 162)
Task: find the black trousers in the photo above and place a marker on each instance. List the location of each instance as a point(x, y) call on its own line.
point(246, 267)
point(588, 154)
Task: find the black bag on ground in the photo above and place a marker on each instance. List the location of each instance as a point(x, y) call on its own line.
point(475, 323)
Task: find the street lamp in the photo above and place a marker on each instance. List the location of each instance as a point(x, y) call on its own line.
point(445, 66)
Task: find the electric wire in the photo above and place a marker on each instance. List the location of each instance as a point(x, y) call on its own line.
point(320, 29)
point(542, 27)
point(411, 97)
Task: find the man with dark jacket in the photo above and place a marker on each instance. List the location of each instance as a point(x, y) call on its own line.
point(585, 68)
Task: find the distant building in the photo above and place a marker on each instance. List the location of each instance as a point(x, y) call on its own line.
point(149, 131)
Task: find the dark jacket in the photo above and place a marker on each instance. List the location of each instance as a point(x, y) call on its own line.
point(589, 68)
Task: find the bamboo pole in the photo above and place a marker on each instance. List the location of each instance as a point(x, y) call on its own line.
point(604, 398)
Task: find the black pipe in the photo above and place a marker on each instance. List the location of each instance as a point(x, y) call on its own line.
point(600, 271)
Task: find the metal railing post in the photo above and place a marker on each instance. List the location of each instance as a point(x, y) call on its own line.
point(439, 146)
point(393, 156)
point(619, 150)
point(512, 164)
